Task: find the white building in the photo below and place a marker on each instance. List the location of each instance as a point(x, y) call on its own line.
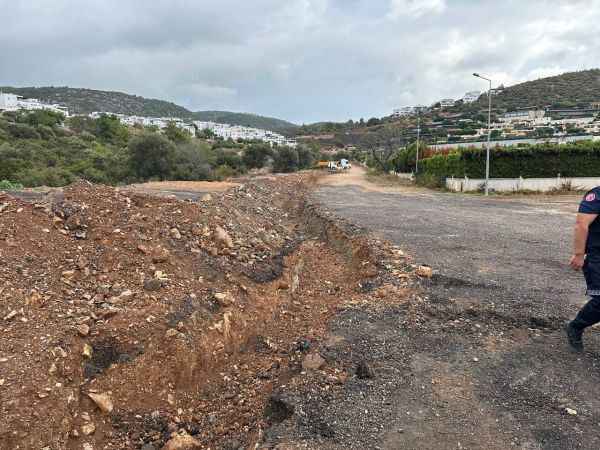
point(9, 102)
point(471, 96)
point(404, 112)
point(235, 132)
point(446, 102)
point(524, 116)
point(12, 102)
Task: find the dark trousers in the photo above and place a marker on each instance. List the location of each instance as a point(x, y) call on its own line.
point(588, 315)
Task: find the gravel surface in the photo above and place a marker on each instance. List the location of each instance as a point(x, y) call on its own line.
point(477, 358)
point(484, 250)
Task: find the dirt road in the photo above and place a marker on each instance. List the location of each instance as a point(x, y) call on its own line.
point(480, 362)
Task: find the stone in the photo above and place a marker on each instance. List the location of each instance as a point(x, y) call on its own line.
point(148, 447)
point(424, 271)
point(222, 237)
point(126, 295)
point(224, 299)
point(571, 412)
point(160, 255)
point(171, 333)
point(152, 284)
point(102, 401)
point(87, 350)
point(175, 234)
point(364, 371)
point(83, 329)
point(88, 428)
point(10, 315)
point(206, 198)
point(182, 441)
point(314, 361)
point(87, 446)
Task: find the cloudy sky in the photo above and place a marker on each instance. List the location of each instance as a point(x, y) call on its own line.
point(301, 60)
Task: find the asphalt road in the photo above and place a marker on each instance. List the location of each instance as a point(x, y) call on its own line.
point(498, 250)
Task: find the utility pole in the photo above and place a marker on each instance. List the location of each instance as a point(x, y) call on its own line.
point(418, 136)
point(487, 155)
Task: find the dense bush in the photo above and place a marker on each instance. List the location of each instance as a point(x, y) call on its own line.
point(577, 159)
point(256, 156)
point(152, 156)
point(38, 149)
point(285, 159)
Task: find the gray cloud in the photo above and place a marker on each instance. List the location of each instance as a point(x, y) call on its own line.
point(303, 60)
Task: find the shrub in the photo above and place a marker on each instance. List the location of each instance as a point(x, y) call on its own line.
point(223, 172)
point(255, 156)
point(6, 185)
point(577, 159)
point(305, 158)
point(285, 159)
point(22, 131)
point(151, 155)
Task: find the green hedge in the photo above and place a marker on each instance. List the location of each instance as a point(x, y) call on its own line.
point(577, 159)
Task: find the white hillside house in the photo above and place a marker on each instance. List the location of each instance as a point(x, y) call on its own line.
point(471, 96)
point(12, 102)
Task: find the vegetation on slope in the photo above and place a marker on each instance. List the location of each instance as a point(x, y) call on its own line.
point(85, 101)
point(572, 89)
point(41, 148)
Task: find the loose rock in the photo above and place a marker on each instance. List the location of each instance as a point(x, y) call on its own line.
point(103, 401)
point(182, 441)
point(314, 361)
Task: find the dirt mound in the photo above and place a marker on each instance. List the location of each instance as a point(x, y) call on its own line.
point(128, 320)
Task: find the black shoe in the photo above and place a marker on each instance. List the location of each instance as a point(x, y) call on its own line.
point(574, 337)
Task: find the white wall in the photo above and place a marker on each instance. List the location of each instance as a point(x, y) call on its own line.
point(521, 184)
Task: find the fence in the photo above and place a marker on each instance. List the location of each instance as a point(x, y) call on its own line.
point(522, 184)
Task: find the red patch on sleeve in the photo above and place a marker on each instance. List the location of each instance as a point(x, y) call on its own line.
point(590, 197)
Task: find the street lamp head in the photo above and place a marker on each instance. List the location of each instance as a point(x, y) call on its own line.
point(475, 74)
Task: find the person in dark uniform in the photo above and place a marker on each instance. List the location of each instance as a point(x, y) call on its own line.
point(586, 257)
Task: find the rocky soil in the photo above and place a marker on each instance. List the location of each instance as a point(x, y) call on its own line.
point(129, 321)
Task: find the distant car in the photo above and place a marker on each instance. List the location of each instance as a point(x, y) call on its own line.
point(345, 164)
point(332, 166)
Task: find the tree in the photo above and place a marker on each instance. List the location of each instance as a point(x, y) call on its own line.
point(382, 146)
point(176, 134)
point(255, 156)
point(206, 133)
point(305, 157)
point(151, 155)
point(193, 161)
point(110, 129)
point(285, 159)
point(42, 117)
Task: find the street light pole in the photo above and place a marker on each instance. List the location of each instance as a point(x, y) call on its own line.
point(487, 153)
point(418, 136)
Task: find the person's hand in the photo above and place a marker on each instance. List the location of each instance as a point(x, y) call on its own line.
point(577, 262)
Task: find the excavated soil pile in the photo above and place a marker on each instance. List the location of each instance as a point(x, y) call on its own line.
point(129, 321)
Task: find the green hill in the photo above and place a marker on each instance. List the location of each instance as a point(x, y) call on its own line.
point(85, 101)
point(567, 90)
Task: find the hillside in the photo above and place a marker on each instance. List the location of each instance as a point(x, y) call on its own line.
point(85, 101)
point(245, 119)
point(569, 89)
